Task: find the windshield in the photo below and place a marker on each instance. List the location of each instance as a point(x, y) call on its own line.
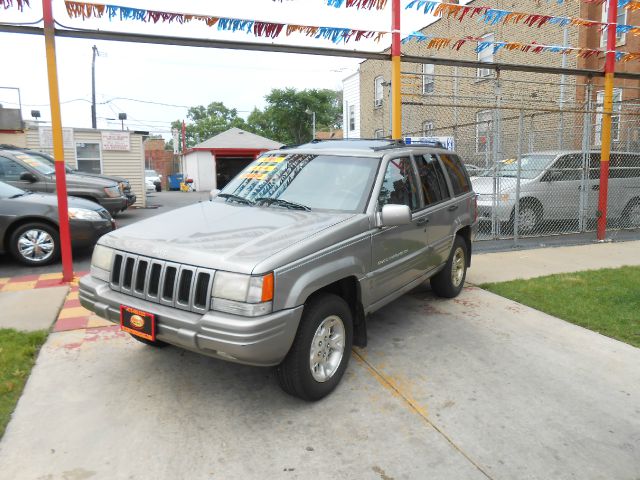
point(8, 191)
point(150, 173)
point(532, 165)
point(322, 182)
point(36, 162)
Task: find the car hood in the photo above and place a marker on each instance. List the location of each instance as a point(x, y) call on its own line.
point(51, 199)
point(97, 175)
point(74, 180)
point(484, 185)
point(220, 235)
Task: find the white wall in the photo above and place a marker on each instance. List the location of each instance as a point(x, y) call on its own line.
point(351, 97)
point(200, 166)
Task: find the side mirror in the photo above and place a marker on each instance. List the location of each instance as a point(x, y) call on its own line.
point(395, 215)
point(28, 177)
point(213, 194)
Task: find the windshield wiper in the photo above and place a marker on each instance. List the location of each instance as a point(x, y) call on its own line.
point(283, 203)
point(26, 192)
point(236, 198)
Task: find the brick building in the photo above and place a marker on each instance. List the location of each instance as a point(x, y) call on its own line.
point(157, 158)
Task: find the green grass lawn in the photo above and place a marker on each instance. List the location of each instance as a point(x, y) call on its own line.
point(605, 301)
point(18, 352)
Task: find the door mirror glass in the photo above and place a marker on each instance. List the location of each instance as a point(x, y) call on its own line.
point(213, 194)
point(395, 215)
point(28, 177)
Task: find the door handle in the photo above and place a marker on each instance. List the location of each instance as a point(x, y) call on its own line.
point(452, 208)
point(595, 187)
point(422, 221)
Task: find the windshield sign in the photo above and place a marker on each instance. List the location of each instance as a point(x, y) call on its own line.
point(303, 182)
point(38, 163)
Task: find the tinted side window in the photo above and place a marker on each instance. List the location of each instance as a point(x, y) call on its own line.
point(624, 165)
point(399, 185)
point(569, 167)
point(433, 183)
point(594, 165)
point(10, 170)
point(459, 179)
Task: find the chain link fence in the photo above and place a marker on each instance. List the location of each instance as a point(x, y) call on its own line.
point(531, 143)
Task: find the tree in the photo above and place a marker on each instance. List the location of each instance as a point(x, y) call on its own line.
point(285, 118)
point(206, 122)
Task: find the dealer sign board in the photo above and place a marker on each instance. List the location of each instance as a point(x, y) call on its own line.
point(116, 141)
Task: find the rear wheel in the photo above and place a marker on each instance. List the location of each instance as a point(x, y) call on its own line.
point(449, 281)
point(35, 244)
point(321, 350)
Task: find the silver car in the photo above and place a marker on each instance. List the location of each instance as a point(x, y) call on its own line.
point(282, 267)
point(559, 185)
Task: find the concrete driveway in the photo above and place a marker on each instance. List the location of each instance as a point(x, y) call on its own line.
point(472, 388)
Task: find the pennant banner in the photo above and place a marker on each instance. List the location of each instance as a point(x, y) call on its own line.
point(359, 4)
point(438, 43)
point(257, 28)
point(493, 16)
point(19, 3)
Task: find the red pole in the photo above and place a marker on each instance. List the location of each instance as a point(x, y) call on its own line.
point(609, 71)
point(184, 137)
point(396, 94)
point(58, 147)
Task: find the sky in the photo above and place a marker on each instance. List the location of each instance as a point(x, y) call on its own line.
point(130, 75)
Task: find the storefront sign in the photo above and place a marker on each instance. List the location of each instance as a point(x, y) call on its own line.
point(116, 141)
point(46, 137)
point(446, 142)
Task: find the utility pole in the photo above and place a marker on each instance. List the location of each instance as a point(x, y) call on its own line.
point(396, 95)
point(94, 122)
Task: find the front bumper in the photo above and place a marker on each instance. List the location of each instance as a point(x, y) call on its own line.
point(85, 232)
point(260, 341)
point(131, 199)
point(114, 205)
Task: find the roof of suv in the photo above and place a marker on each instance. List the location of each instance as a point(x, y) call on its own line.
point(359, 147)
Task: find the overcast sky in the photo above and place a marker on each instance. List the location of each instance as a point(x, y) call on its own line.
point(181, 76)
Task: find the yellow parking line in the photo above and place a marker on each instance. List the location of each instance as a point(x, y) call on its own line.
point(74, 312)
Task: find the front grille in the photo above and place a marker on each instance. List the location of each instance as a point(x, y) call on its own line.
point(166, 283)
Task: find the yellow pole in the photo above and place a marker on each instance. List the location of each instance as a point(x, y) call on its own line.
point(58, 147)
point(396, 93)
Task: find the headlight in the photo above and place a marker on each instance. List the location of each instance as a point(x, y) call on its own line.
point(505, 197)
point(102, 257)
point(112, 191)
point(243, 294)
point(83, 214)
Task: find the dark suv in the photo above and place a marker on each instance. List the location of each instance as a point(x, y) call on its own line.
point(285, 263)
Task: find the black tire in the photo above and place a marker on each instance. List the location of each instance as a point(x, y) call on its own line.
point(50, 230)
point(528, 209)
point(443, 283)
point(630, 216)
point(294, 373)
point(157, 343)
point(158, 188)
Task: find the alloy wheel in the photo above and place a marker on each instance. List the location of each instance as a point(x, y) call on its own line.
point(327, 348)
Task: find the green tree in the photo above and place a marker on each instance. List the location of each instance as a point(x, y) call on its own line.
point(206, 122)
point(285, 118)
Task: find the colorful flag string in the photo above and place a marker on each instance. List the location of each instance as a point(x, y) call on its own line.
point(359, 4)
point(494, 16)
point(438, 43)
point(257, 28)
point(20, 4)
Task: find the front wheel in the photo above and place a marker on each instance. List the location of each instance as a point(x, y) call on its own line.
point(449, 281)
point(35, 244)
point(321, 350)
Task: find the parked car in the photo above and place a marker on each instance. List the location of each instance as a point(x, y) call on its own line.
point(283, 265)
point(123, 183)
point(29, 227)
point(149, 186)
point(155, 178)
point(559, 185)
point(32, 172)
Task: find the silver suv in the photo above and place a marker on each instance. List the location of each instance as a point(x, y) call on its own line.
point(282, 267)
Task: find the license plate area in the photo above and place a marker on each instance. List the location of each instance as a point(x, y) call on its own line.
point(138, 322)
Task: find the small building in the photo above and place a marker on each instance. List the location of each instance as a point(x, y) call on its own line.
point(108, 152)
point(212, 163)
point(351, 105)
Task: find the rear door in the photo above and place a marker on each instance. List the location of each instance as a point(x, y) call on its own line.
point(397, 252)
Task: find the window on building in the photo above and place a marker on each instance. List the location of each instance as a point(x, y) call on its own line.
point(88, 157)
point(486, 55)
point(428, 78)
point(615, 115)
point(484, 121)
point(379, 133)
point(378, 91)
point(621, 37)
point(427, 128)
point(352, 118)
